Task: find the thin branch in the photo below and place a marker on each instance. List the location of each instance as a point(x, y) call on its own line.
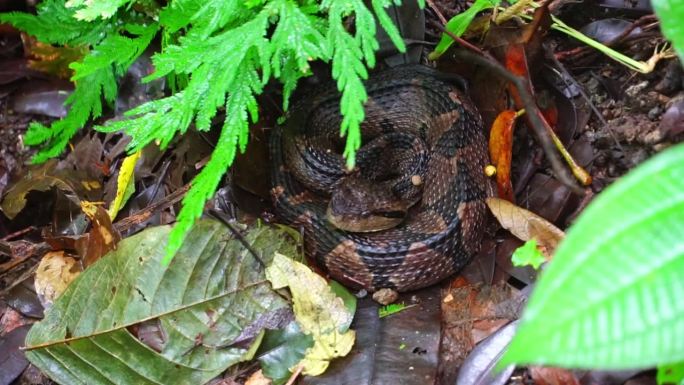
point(476, 55)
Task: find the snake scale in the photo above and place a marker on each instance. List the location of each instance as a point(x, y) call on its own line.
point(440, 233)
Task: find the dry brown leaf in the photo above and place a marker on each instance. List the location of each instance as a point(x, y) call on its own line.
point(526, 225)
point(258, 378)
point(552, 376)
point(102, 237)
point(54, 273)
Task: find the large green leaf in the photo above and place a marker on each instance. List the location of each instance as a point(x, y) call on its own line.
point(613, 296)
point(671, 14)
point(207, 302)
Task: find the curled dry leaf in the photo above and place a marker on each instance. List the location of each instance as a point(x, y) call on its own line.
point(526, 225)
point(501, 151)
point(54, 273)
point(102, 236)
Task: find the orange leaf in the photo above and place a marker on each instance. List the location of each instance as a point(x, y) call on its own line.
point(501, 151)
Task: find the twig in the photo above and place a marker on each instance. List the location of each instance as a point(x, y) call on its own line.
point(18, 233)
point(141, 216)
point(294, 375)
point(478, 56)
point(437, 12)
point(238, 235)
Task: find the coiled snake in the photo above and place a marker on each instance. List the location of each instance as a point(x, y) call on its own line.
point(438, 234)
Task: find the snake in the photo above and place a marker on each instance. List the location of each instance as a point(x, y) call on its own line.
point(438, 174)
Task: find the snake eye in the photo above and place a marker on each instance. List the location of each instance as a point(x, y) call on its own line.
point(365, 214)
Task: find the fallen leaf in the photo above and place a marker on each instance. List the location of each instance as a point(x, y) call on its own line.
point(211, 303)
point(552, 376)
point(258, 378)
point(318, 311)
point(526, 225)
point(281, 350)
point(501, 151)
point(54, 274)
point(102, 236)
point(125, 186)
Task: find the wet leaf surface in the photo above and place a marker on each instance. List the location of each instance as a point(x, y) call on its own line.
point(12, 360)
point(410, 337)
point(198, 315)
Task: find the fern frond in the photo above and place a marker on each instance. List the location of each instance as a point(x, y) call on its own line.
point(206, 16)
point(239, 103)
point(54, 23)
point(298, 38)
point(95, 78)
point(387, 23)
point(89, 10)
point(214, 64)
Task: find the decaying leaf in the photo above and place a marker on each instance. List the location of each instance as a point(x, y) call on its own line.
point(44, 177)
point(318, 311)
point(54, 274)
point(210, 303)
point(526, 225)
point(501, 151)
point(125, 186)
point(102, 236)
point(552, 376)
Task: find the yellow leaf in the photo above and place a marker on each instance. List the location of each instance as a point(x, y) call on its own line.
point(124, 184)
point(318, 311)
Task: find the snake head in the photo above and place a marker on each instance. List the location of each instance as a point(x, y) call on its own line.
point(361, 206)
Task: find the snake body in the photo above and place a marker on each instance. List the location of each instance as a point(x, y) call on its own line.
point(441, 232)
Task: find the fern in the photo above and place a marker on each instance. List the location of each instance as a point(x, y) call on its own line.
point(56, 24)
point(219, 54)
point(90, 10)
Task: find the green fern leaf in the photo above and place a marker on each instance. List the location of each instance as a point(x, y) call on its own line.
point(95, 78)
point(240, 102)
point(56, 24)
point(387, 23)
point(298, 38)
point(206, 17)
point(89, 10)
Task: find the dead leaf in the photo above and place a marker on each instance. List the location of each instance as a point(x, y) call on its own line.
point(501, 151)
point(125, 186)
point(102, 236)
point(258, 378)
point(54, 274)
point(526, 225)
point(552, 376)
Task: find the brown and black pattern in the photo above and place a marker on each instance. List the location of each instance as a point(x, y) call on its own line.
point(442, 231)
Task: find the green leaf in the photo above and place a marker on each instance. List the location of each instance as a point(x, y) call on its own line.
point(392, 308)
point(613, 296)
point(458, 25)
point(671, 14)
point(203, 303)
point(348, 298)
point(528, 254)
point(671, 374)
point(282, 349)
